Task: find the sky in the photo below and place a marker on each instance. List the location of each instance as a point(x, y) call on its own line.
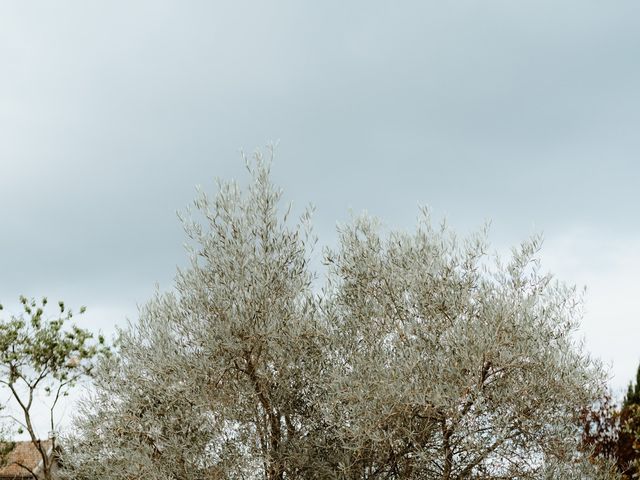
point(524, 114)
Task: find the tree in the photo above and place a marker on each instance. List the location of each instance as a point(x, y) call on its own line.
point(632, 396)
point(601, 429)
point(628, 448)
point(42, 355)
point(418, 358)
point(474, 369)
point(612, 432)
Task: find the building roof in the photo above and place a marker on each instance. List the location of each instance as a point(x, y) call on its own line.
point(22, 453)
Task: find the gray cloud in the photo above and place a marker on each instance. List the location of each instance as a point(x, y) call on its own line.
point(525, 113)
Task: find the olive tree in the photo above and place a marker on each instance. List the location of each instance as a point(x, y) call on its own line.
point(419, 356)
point(452, 366)
point(220, 377)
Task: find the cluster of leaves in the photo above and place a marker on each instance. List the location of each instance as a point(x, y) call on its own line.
point(34, 349)
point(418, 358)
point(613, 432)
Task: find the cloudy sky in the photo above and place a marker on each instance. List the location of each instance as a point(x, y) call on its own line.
point(523, 113)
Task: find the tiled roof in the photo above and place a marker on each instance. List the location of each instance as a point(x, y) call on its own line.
point(24, 453)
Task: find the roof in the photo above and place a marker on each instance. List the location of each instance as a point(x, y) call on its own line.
point(23, 453)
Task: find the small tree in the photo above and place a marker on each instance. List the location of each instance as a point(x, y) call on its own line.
point(628, 454)
point(41, 355)
point(632, 396)
point(613, 433)
point(419, 358)
point(601, 433)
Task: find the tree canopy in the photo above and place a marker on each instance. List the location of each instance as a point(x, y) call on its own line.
point(417, 355)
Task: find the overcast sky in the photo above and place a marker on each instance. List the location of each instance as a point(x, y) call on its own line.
point(523, 113)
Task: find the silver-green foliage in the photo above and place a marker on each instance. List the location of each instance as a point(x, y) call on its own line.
point(420, 357)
